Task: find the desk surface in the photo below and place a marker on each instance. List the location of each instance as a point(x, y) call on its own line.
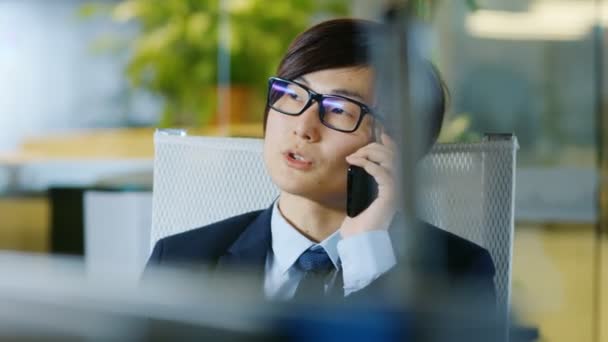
point(131, 143)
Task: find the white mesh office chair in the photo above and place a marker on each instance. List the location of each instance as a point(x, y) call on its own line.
point(200, 180)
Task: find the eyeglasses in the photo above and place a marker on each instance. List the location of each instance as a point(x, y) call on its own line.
point(336, 112)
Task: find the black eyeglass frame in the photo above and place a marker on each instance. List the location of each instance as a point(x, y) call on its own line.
point(316, 97)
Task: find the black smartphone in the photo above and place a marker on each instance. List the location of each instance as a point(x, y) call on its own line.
point(361, 190)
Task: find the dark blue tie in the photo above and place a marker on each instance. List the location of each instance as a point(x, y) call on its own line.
point(316, 265)
point(316, 261)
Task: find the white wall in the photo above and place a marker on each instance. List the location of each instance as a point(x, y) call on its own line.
point(51, 80)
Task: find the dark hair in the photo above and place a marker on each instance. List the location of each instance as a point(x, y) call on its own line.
point(347, 42)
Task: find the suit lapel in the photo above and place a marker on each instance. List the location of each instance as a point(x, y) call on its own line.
point(249, 251)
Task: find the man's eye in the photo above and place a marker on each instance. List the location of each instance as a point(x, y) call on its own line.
point(293, 95)
point(337, 110)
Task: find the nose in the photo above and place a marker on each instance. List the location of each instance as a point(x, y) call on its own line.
point(308, 124)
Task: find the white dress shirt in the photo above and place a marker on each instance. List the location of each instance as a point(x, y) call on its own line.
point(363, 258)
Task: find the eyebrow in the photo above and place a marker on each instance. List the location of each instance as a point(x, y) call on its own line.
point(343, 92)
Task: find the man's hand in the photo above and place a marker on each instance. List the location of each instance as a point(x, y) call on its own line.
point(379, 161)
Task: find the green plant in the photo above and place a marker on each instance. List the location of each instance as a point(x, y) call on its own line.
point(175, 54)
point(457, 129)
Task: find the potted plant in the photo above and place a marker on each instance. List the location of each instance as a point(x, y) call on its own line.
point(176, 51)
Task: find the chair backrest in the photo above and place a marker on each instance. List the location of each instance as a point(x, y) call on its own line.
point(200, 180)
point(468, 189)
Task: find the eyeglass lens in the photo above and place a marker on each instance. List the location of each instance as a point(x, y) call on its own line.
point(291, 98)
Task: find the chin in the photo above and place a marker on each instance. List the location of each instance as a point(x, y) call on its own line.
point(293, 184)
point(309, 189)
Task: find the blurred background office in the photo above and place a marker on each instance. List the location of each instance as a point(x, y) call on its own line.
point(84, 84)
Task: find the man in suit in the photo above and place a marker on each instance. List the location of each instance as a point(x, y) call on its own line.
point(319, 119)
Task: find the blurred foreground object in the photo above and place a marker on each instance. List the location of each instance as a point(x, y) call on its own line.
point(53, 298)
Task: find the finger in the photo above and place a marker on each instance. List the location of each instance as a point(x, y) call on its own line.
point(377, 154)
point(382, 161)
point(374, 148)
point(388, 141)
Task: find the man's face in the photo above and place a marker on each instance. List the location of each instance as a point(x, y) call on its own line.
point(306, 158)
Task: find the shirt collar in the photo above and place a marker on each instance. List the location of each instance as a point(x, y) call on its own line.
point(288, 243)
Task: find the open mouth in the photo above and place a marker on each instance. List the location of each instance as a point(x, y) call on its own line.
point(296, 157)
point(297, 161)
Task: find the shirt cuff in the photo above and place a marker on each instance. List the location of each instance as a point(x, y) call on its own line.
point(364, 258)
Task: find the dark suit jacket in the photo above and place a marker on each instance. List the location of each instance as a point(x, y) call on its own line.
point(244, 240)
